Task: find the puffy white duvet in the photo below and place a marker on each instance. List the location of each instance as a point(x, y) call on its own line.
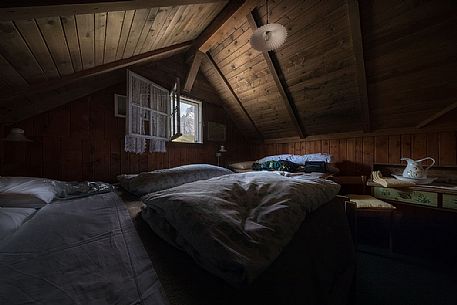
point(235, 225)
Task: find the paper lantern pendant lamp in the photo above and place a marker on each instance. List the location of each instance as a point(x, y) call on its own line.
point(268, 37)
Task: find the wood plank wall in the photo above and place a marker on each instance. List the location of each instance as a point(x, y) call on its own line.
point(355, 155)
point(83, 140)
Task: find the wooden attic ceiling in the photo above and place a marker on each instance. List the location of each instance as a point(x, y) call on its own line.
point(44, 45)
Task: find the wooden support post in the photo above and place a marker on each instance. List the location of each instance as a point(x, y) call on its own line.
point(357, 47)
point(193, 71)
point(229, 87)
point(275, 71)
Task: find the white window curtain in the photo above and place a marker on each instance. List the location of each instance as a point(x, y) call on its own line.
point(148, 113)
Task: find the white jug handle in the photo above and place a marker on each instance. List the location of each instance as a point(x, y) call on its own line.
point(428, 158)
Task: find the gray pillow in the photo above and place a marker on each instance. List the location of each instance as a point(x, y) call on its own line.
point(158, 180)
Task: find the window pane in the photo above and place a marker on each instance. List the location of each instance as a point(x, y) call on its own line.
point(188, 128)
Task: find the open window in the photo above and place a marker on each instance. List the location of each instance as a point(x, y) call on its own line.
point(190, 121)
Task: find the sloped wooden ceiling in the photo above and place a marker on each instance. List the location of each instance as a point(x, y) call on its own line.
point(39, 48)
point(317, 64)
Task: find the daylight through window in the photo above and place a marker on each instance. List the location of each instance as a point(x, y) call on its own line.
point(191, 121)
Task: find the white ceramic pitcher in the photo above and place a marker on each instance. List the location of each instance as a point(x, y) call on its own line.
point(414, 168)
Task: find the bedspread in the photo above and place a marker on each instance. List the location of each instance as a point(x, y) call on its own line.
point(235, 225)
point(82, 251)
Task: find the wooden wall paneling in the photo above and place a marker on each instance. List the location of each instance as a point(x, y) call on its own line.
point(433, 148)
point(325, 146)
point(170, 30)
point(86, 32)
point(32, 36)
point(71, 35)
point(381, 149)
point(10, 75)
point(52, 157)
point(35, 164)
point(133, 163)
point(334, 149)
point(88, 148)
point(16, 51)
point(138, 22)
point(115, 158)
point(150, 19)
point(180, 20)
point(126, 25)
point(368, 151)
point(447, 148)
point(51, 28)
point(406, 146)
point(351, 150)
point(394, 149)
point(419, 146)
point(71, 159)
point(114, 22)
point(99, 37)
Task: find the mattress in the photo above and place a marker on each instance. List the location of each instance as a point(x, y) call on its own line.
point(81, 251)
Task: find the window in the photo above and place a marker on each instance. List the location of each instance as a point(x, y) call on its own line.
point(190, 114)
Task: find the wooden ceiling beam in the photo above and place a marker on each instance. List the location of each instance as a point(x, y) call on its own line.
point(357, 46)
point(122, 63)
point(437, 115)
point(233, 14)
point(19, 10)
point(230, 89)
point(278, 77)
point(193, 71)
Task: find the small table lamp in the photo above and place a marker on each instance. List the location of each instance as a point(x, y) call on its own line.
point(219, 153)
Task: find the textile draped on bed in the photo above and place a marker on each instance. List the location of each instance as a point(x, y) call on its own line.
point(235, 225)
point(82, 251)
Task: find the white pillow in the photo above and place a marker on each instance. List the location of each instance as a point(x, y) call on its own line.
point(44, 189)
point(299, 159)
point(12, 218)
point(242, 165)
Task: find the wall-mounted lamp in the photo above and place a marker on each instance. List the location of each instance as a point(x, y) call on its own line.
point(16, 135)
point(219, 153)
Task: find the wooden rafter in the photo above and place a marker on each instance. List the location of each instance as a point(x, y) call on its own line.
point(17, 10)
point(233, 14)
point(42, 102)
point(357, 46)
point(54, 84)
point(193, 71)
point(229, 87)
point(276, 72)
point(437, 115)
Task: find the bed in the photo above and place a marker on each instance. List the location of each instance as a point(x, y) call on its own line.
point(315, 267)
point(77, 251)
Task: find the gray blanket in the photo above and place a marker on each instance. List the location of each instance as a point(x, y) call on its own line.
point(235, 225)
point(82, 251)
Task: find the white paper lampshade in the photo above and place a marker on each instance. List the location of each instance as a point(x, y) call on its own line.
point(16, 135)
point(268, 37)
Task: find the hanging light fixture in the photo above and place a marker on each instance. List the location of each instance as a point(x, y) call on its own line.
point(16, 135)
point(269, 36)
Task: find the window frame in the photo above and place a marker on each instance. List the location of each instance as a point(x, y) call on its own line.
point(198, 119)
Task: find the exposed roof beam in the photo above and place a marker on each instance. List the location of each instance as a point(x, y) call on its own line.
point(275, 71)
point(122, 63)
point(437, 115)
point(357, 46)
point(193, 71)
point(229, 87)
point(16, 10)
point(42, 102)
point(233, 14)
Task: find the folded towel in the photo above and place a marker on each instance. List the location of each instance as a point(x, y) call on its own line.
point(390, 182)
